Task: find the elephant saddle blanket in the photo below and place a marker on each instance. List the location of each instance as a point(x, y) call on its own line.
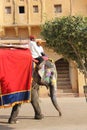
point(15, 76)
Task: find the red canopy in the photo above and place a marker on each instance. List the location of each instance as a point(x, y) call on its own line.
point(15, 76)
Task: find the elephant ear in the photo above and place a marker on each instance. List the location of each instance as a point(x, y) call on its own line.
point(41, 71)
point(45, 75)
point(46, 71)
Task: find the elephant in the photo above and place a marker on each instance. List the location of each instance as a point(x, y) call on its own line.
point(44, 74)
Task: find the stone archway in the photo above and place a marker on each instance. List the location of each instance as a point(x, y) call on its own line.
point(67, 74)
point(62, 66)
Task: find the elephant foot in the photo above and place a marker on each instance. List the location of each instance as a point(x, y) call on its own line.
point(10, 121)
point(39, 117)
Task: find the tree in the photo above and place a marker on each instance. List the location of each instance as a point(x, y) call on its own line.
point(68, 36)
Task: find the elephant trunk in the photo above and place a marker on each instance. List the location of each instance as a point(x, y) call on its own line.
point(54, 99)
point(53, 90)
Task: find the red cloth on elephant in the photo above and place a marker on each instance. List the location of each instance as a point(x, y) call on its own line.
point(15, 76)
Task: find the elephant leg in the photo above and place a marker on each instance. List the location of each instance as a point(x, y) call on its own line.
point(35, 103)
point(14, 114)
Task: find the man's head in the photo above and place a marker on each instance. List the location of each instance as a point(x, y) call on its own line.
point(39, 42)
point(32, 38)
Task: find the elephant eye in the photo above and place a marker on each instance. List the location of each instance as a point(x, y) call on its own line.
point(52, 73)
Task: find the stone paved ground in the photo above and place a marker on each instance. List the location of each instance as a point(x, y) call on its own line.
point(74, 116)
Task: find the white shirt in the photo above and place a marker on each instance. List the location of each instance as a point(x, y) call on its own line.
point(40, 49)
point(35, 50)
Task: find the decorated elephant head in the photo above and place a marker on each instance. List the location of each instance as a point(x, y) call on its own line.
point(46, 75)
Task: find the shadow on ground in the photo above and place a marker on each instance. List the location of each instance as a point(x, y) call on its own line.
point(5, 127)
